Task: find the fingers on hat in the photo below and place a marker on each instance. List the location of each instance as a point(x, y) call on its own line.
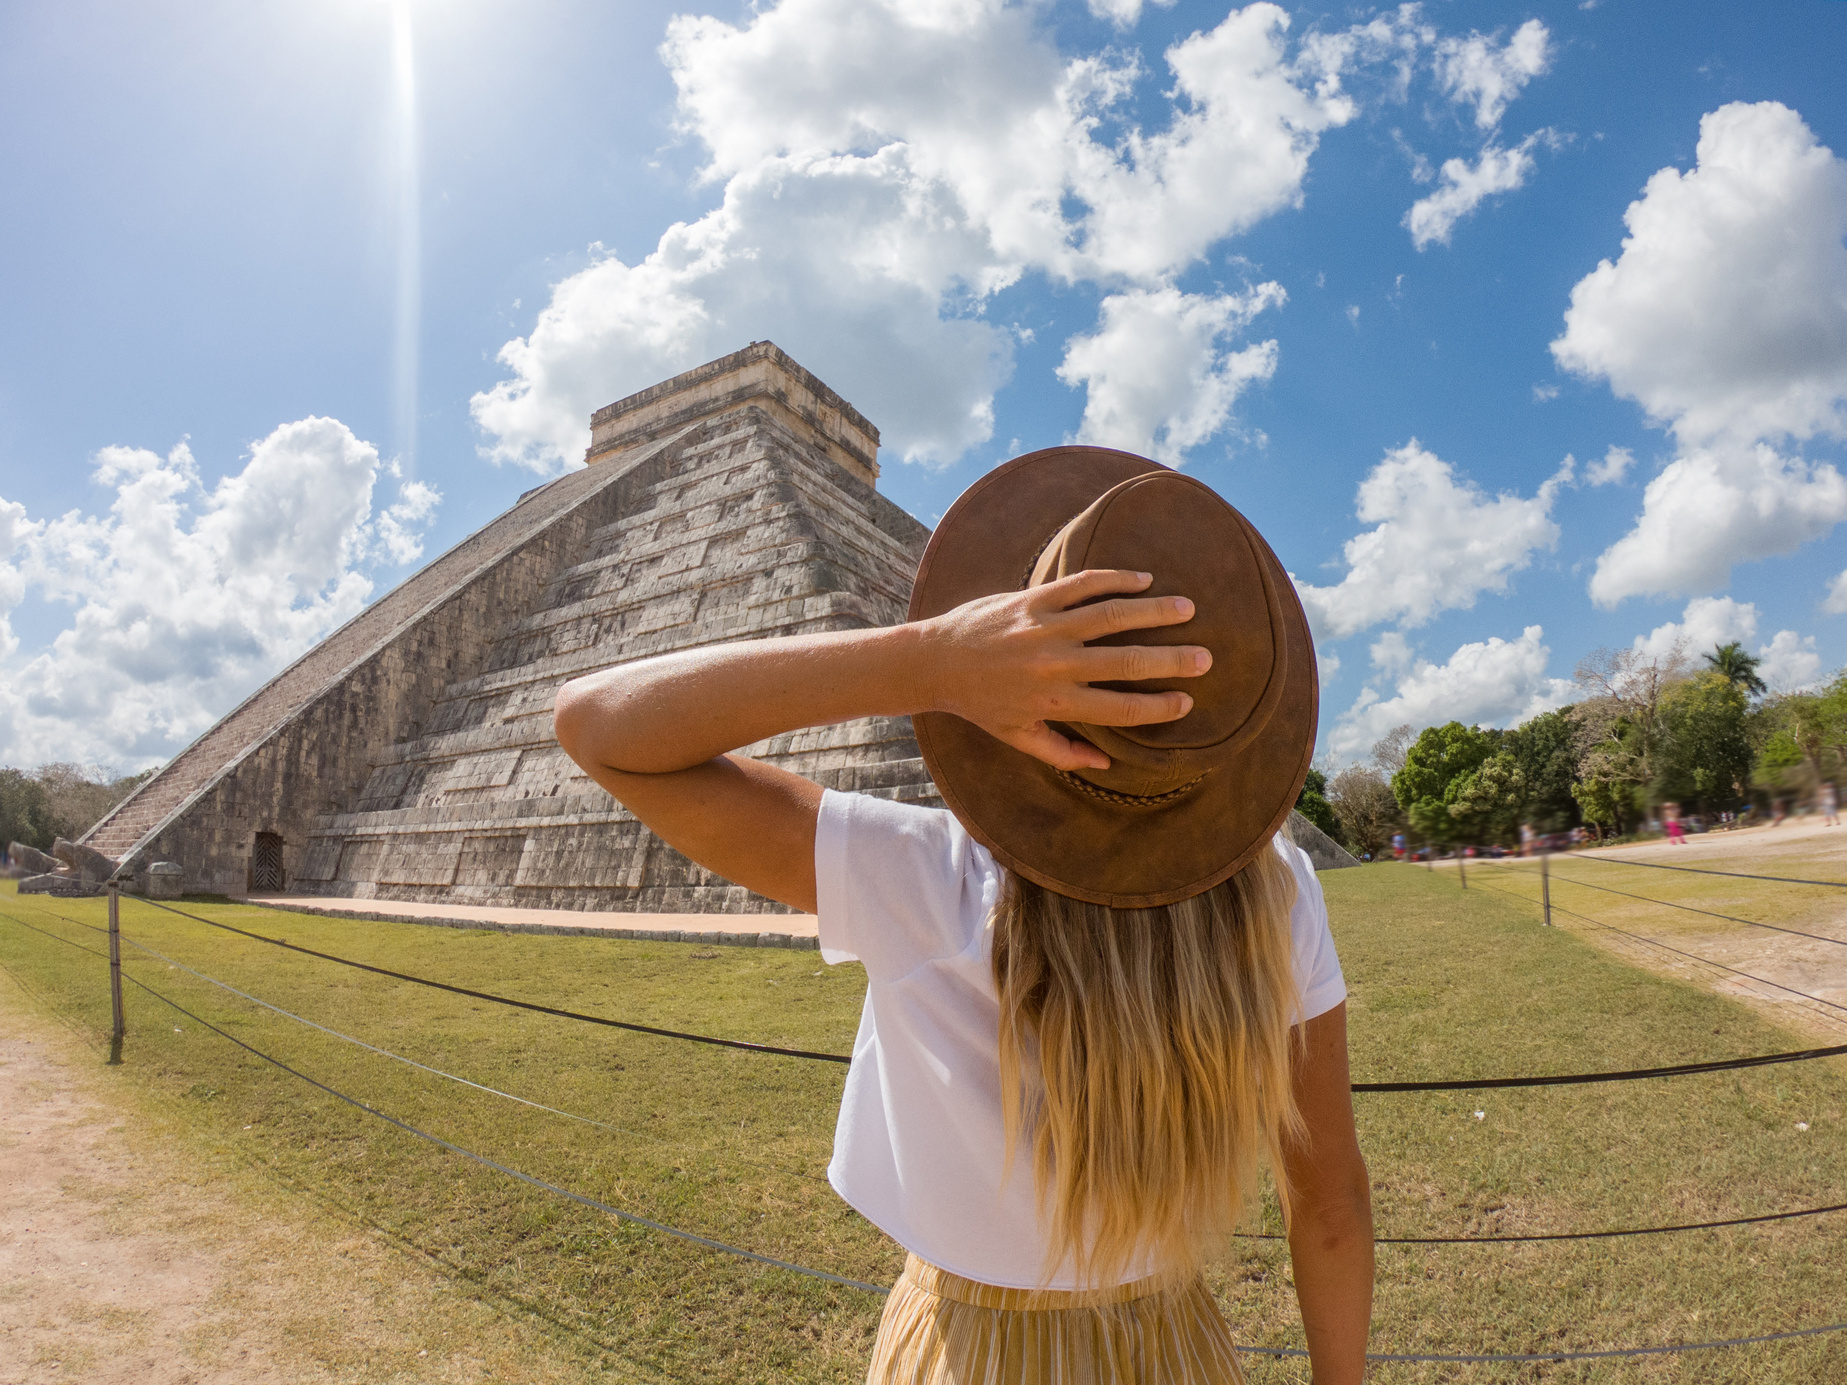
point(1090, 584)
point(1136, 663)
point(1121, 613)
point(1105, 707)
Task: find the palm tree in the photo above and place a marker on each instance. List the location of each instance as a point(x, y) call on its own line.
point(1736, 667)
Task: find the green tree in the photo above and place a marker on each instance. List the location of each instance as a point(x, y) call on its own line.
point(1736, 667)
point(1705, 755)
point(1434, 762)
point(1312, 803)
point(25, 811)
point(1486, 803)
point(1546, 750)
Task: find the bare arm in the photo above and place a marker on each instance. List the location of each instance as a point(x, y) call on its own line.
point(1330, 1230)
point(656, 733)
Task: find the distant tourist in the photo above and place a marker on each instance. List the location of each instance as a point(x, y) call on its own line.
point(1398, 845)
point(1830, 805)
point(1676, 834)
point(1102, 990)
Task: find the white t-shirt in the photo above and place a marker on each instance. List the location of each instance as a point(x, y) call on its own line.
point(920, 1145)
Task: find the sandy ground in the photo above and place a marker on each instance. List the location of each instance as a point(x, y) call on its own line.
point(127, 1256)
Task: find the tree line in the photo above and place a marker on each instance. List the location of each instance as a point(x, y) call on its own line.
point(1649, 729)
point(58, 800)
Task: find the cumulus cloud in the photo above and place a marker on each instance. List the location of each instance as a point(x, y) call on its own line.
point(185, 597)
point(1707, 623)
point(1835, 602)
point(1610, 468)
point(1789, 662)
point(888, 167)
point(1493, 683)
point(1725, 318)
point(1437, 542)
point(1159, 378)
point(1473, 71)
point(1714, 507)
point(1463, 188)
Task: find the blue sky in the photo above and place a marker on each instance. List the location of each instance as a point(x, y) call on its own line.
point(300, 295)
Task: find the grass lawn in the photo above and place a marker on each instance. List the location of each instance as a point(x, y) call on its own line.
point(733, 1145)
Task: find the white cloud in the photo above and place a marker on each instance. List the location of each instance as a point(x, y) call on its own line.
point(1711, 508)
point(1392, 653)
point(1123, 13)
point(185, 597)
point(1611, 469)
point(889, 166)
point(1707, 623)
point(1835, 602)
point(1463, 188)
point(1789, 662)
point(1493, 683)
point(1725, 318)
point(1473, 71)
point(1159, 379)
point(1544, 394)
point(1437, 542)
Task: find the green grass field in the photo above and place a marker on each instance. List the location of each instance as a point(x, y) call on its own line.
point(733, 1145)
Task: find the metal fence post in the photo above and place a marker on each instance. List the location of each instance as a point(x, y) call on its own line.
point(120, 1027)
point(1545, 885)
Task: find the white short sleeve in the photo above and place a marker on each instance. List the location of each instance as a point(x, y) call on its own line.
point(897, 886)
point(1317, 966)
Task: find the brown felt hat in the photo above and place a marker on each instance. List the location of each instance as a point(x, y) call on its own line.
point(1184, 804)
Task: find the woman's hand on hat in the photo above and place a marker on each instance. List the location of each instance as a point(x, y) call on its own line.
point(1016, 661)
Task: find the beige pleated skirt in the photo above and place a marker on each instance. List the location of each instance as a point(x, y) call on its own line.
point(942, 1329)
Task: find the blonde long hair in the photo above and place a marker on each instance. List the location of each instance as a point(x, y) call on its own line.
point(1146, 1054)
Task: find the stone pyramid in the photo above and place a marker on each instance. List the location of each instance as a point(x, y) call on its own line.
point(409, 755)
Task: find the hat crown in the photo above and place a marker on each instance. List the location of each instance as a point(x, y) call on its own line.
point(1195, 545)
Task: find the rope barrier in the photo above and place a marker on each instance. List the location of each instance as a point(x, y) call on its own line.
point(508, 1000)
point(1694, 957)
point(1446, 1085)
point(436, 1072)
point(1578, 1235)
point(1729, 918)
point(1698, 870)
point(712, 1244)
point(1262, 1236)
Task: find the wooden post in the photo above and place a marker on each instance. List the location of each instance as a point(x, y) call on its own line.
point(1545, 887)
point(115, 973)
point(1462, 869)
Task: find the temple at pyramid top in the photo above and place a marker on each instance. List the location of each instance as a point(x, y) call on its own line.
point(409, 755)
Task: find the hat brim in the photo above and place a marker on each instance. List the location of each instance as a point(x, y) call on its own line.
point(1033, 820)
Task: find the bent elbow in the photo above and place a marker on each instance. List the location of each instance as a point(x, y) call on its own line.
point(569, 713)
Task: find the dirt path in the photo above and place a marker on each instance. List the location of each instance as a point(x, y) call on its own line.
point(127, 1256)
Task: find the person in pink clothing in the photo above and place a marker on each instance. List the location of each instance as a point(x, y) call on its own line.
point(1676, 834)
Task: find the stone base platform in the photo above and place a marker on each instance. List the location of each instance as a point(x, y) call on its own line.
point(778, 930)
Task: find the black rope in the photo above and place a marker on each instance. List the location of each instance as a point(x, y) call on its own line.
point(1579, 1235)
point(508, 1000)
point(1447, 1085)
point(1579, 1078)
point(1698, 870)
